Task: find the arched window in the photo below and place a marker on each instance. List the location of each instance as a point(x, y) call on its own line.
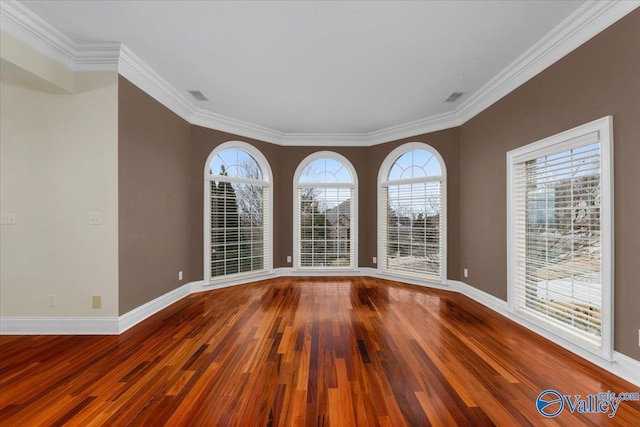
point(412, 212)
point(237, 217)
point(325, 229)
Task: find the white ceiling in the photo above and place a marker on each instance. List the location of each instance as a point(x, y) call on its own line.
point(317, 67)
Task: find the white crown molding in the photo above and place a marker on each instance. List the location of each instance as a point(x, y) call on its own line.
point(393, 133)
point(143, 76)
point(435, 123)
point(211, 120)
point(583, 24)
point(325, 139)
point(97, 57)
point(587, 21)
point(19, 22)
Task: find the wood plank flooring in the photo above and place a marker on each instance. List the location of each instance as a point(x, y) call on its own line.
point(302, 352)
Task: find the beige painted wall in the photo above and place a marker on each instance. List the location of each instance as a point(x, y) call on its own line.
point(41, 72)
point(59, 157)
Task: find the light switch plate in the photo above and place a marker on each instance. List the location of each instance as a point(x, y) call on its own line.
point(95, 218)
point(8, 219)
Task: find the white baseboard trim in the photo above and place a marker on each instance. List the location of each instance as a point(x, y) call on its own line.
point(90, 325)
point(360, 271)
point(623, 366)
point(488, 300)
point(59, 326)
point(202, 286)
point(292, 272)
point(626, 368)
point(138, 314)
point(374, 272)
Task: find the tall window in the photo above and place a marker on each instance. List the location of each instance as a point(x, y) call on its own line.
point(560, 258)
point(325, 212)
point(412, 212)
point(237, 212)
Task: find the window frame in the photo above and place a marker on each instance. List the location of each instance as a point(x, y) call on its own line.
point(267, 182)
point(548, 146)
point(353, 224)
point(383, 180)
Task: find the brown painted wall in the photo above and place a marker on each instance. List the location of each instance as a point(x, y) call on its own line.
point(283, 203)
point(447, 142)
point(285, 160)
point(203, 141)
point(600, 78)
point(153, 198)
point(161, 165)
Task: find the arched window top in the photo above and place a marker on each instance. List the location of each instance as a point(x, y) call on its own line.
point(325, 229)
point(413, 161)
point(238, 161)
point(238, 213)
point(412, 212)
point(415, 164)
point(326, 168)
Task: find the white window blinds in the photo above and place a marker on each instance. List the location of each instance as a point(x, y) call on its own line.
point(325, 216)
point(238, 228)
point(325, 213)
point(412, 229)
point(557, 196)
point(237, 212)
point(412, 213)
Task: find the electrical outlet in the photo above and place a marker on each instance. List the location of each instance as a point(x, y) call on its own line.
point(375, 260)
point(96, 301)
point(289, 258)
point(51, 301)
point(95, 218)
point(179, 275)
point(465, 272)
point(8, 219)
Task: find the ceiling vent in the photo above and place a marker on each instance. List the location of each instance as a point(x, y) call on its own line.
point(198, 95)
point(454, 97)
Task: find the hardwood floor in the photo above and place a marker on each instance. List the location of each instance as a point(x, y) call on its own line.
point(302, 351)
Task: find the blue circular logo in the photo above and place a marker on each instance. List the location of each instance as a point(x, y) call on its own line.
point(549, 403)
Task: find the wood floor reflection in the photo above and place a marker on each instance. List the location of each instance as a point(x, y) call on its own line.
point(302, 351)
